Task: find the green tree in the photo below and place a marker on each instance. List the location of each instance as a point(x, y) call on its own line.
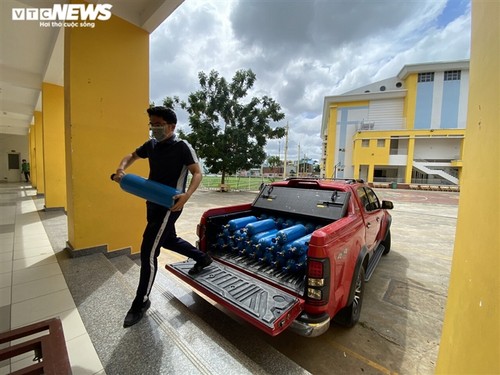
point(229, 131)
point(274, 161)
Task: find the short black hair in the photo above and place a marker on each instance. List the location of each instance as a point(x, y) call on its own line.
point(165, 113)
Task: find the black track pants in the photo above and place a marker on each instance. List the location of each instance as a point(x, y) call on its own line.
point(159, 232)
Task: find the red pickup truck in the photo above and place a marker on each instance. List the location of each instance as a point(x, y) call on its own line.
point(296, 257)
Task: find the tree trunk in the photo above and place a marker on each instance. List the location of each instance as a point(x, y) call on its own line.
point(223, 178)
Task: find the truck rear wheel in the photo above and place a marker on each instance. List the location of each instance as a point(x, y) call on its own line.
point(350, 314)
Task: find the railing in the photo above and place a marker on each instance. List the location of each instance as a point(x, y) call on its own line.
point(49, 350)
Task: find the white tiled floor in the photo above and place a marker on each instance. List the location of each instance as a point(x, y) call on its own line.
point(32, 284)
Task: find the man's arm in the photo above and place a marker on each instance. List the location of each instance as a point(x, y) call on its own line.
point(126, 162)
point(181, 199)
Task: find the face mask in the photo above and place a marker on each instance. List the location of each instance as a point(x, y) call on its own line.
point(159, 133)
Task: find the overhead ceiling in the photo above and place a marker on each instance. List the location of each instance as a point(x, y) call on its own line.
point(30, 54)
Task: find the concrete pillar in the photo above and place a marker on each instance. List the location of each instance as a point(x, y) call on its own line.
point(32, 157)
point(38, 162)
point(106, 81)
point(409, 160)
point(53, 146)
point(330, 143)
point(470, 341)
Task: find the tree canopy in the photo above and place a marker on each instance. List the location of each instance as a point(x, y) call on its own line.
point(229, 131)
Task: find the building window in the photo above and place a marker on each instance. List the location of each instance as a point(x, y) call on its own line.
point(426, 77)
point(380, 142)
point(394, 146)
point(365, 143)
point(452, 75)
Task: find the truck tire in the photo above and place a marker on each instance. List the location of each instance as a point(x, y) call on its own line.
point(387, 242)
point(349, 315)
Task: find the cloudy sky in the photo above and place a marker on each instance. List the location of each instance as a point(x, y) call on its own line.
point(303, 50)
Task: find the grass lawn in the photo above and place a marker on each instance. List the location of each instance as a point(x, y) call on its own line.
point(236, 183)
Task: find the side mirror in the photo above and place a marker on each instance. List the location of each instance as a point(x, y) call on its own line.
point(387, 205)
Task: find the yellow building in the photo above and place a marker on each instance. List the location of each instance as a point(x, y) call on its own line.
point(407, 129)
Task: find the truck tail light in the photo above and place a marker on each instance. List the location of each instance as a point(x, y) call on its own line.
point(318, 281)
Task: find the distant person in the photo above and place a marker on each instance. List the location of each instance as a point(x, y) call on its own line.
point(170, 160)
point(25, 168)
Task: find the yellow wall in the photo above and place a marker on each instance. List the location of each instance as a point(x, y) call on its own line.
point(106, 96)
point(39, 168)
point(410, 103)
point(53, 145)
point(330, 144)
point(470, 341)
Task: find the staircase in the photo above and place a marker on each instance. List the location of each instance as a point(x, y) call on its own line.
point(181, 333)
point(423, 167)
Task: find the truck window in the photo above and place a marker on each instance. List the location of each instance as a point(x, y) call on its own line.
point(374, 202)
point(363, 198)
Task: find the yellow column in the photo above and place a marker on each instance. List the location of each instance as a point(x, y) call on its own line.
point(39, 169)
point(470, 340)
point(53, 145)
point(330, 143)
point(106, 77)
point(32, 146)
point(371, 172)
point(355, 157)
point(409, 160)
point(410, 103)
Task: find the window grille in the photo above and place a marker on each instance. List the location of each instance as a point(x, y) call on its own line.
point(452, 75)
point(426, 77)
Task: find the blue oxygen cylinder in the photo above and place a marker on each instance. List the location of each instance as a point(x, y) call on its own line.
point(297, 247)
point(279, 260)
point(260, 226)
point(221, 242)
point(234, 240)
point(256, 237)
point(255, 243)
point(240, 239)
point(268, 257)
point(150, 190)
point(239, 223)
point(290, 234)
point(295, 265)
point(283, 223)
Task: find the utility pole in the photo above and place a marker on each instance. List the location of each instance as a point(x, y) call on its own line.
point(298, 162)
point(286, 151)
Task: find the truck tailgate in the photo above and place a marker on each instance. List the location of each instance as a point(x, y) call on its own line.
point(262, 305)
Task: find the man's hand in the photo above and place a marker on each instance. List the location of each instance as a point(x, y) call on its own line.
point(180, 200)
point(117, 177)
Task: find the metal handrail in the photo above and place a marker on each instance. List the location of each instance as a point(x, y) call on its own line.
point(49, 350)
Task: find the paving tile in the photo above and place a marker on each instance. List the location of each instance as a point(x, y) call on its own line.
point(5, 296)
point(40, 308)
point(35, 273)
point(5, 279)
point(33, 262)
point(82, 356)
point(38, 288)
point(32, 252)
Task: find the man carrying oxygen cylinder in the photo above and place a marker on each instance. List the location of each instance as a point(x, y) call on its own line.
point(170, 160)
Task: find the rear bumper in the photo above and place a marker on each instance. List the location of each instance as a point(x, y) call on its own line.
point(308, 326)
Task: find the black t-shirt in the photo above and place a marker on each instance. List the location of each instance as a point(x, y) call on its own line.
point(168, 161)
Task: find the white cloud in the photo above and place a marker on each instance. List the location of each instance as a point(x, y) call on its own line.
point(302, 51)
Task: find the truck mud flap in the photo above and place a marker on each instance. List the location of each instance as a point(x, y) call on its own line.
point(264, 306)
